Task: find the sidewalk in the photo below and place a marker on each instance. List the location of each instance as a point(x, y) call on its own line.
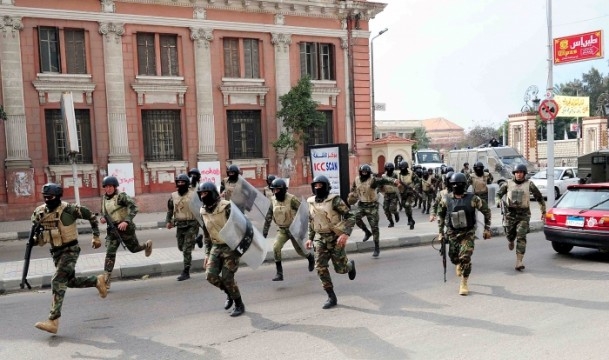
point(168, 261)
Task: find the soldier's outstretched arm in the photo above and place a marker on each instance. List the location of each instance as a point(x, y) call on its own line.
point(128, 202)
point(267, 221)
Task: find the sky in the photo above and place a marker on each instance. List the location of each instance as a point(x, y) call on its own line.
point(471, 61)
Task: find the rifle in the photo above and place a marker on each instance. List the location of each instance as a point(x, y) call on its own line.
point(111, 228)
point(442, 251)
point(34, 233)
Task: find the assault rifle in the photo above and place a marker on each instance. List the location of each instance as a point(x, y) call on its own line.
point(34, 233)
point(111, 228)
point(442, 251)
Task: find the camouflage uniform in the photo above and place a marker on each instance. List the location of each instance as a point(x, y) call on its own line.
point(64, 248)
point(367, 206)
point(479, 184)
point(325, 220)
point(428, 186)
point(517, 210)
point(390, 199)
point(408, 195)
point(187, 226)
point(119, 207)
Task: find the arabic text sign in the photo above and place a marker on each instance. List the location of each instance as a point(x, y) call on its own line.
point(325, 161)
point(210, 171)
point(580, 47)
point(573, 106)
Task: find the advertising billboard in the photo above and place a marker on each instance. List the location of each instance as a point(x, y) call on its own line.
point(580, 47)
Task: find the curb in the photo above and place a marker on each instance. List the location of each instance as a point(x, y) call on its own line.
point(24, 235)
point(172, 267)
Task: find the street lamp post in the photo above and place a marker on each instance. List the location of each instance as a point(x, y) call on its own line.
point(373, 115)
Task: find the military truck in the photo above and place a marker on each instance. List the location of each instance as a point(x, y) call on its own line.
point(596, 164)
point(500, 161)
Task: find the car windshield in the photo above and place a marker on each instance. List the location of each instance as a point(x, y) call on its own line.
point(584, 198)
point(428, 157)
point(543, 174)
point(513, 160)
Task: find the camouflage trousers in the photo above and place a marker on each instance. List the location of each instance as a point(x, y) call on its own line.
point(461, 248)
point(283, 235)
point(427, 199)
point(222, 264)
point(185, 235)
point(390, 205)
point(65, 277)
point(516, 226)
point(112, 243)
point(326, 250)
point(407, 199)
point(371, 212)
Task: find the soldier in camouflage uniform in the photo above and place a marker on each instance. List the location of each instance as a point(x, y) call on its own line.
point(180, 216)
point(363, 192)
point(195, 178)
point(479, 180)
point(406, 183)
point(221, 262)
point(390, 194)
point(121, 209)
point(268, 192)
point(331, 219)
point(517, 210)
point(428, 185)
point(282, 211)
point(442, 194)
point(418, 186)
point(457, 212)
point(229, 182)
point(58, 218)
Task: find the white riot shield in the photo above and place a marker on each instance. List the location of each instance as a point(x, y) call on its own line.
point(479, 225)
point(195, 206)
point(492, 192)
point(300, 225)
point(241, 236)
point(250, 200)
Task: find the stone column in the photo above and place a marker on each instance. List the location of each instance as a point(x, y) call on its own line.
point(282, 86)
point(344, 44)
point(12, 94)
point(205, 98)
point(115, 92)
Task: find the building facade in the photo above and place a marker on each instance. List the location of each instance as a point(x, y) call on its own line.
point(160, 86)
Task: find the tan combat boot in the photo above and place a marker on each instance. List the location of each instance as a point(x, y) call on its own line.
point(519, 265)
point(101, 286)
point(48, 325)
point(463, 290)
point(148, 249)
point(108, 279)
point(458, 270)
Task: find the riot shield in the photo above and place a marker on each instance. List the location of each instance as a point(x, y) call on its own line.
point(300, 225)
point(241, 236)
point(249, 199)
point(492, 192)
point(195, 206)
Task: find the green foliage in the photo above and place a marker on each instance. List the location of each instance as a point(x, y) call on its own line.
point(299, 114)
point(421, 138)
point(480, 135)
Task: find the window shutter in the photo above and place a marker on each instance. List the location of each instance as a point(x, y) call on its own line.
point(231, 58)
point(303, 59)
point(250, 52)
point(76, 60)
point(146, 59)
point(169, 55)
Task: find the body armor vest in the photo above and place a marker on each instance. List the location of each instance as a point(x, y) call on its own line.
point(389, 189)
point(181, 209)
point(479, 184)
point(215, 221)
point(229, 187)
point(518, 194)
point(427, 184)
point(461, 213)
point(323, 216)
point(55, 232)
point(283, 214)
point(406, 179)
point(111, 207)
point(364, 191)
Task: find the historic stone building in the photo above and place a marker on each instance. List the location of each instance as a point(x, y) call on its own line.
point(160, 86)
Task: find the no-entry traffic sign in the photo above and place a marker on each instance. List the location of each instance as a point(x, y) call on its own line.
point(548, 109)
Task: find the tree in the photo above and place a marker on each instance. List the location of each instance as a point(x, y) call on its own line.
point(421, 138)
point(480, 135)
point(299, 114)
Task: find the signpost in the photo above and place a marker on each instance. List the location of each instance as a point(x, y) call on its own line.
point(548, 109)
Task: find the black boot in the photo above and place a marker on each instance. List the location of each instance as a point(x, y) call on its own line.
point(376, 250)
point(311, 259)
point(390, 223)
point(229, 302)
point(352, 271)
point(411, 222)
point(397, 217)
point(332, 301)
point(239, 308)
point(185, 274)
point(367, 236)
point(199, 240)
point(423, 211)
point(279, 275)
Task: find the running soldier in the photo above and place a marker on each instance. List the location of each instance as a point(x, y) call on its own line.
point(406, 183)
point(428, 186)
point(442, 194)
point(268, 192)
point(390, 195)
point(283, 210)
point(517, 208)
point(325, 213)
point(229, 182)
point(479, 180)
point(195, 178)
point(181, 217)
point(58, 218)
point(221, 262)
point(457, 221)
point(120, 209)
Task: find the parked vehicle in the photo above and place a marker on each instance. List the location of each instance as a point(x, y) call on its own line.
point(579, 218)
point(563, 177)
point(500, 161)
point(596, 164)
point(428, 158)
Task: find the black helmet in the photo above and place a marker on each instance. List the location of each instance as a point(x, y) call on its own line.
point(449, 169)
point(182, 177)
point(194, 171)
point(270, 179)
point(389, 166)
point(213, 196)
point(233, 168)
point(365, 168)
point(449, 175)
point(430, 171)
point(323, 180)
point(520, 167)
point(207, 186)
point(52, 189)
point(479, 165)
point(110, 180)
point(465, 164)
point(443, 169)
point(458, 178)
point(403, 165)
point(279, 184)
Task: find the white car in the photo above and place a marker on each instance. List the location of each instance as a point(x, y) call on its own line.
point(563, 177)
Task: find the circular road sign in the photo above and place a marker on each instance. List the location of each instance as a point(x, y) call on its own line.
point(548, 109)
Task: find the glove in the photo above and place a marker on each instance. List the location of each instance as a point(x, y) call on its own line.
point(486, 234)
point(96, 242)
